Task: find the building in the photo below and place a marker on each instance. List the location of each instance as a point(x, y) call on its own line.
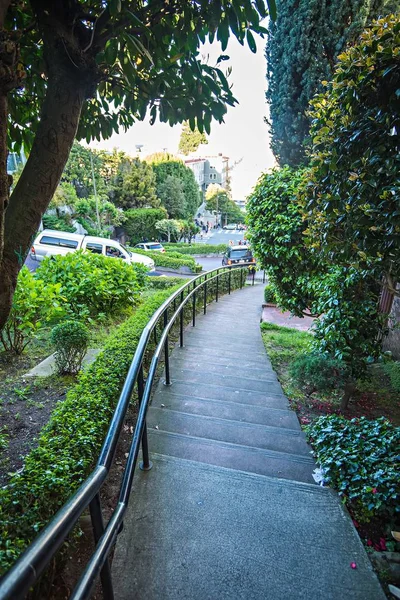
point(14, 161)
point(241, 204)
point(208, 170)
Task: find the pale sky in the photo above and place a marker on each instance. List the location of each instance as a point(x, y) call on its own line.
point(244, 133)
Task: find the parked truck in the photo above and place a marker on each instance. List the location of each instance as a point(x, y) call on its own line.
point(50, 243)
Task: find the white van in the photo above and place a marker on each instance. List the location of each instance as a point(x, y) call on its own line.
point(50, 242)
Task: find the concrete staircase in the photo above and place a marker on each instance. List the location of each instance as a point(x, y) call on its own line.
point(230, 509)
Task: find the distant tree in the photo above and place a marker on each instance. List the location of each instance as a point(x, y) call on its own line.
point(165, 164)
point(219, 202)
point(302, 48)
point(170, 228)
point(78, 170)
point(190, 140)
point(172, 196)
point(135, 186)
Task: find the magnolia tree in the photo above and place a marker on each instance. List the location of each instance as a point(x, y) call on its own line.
point(87, 69)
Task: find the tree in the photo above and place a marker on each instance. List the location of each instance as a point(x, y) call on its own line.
point(135, 186)
point(165, 164)
point(352, 198)
point(170, 228)
point(172, 196)
point(302, 49)
point(218, 201)
point(190, 140)
point(140, 223)
point(86, 69)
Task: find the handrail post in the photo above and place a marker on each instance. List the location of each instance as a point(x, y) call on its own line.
point(181, 323)
point(146, 463)
point(241, 278)
point(194, 306)
point(229, 282)
point(155, 334)
point(216, 293)
point(166, 352)
point(254, 275)
point(205, 295)
point(264, 276)
point(98, 530)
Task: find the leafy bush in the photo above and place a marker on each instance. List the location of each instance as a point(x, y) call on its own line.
point(318, 372)
point(162, 283)
point(270, 294)
point(71, 340)
point(392, 369)
point(361, 461)
point(69, 444)
point(140, 223)
point(92, 283)
point(61, 223)
point(196, 248)
point(35, 303)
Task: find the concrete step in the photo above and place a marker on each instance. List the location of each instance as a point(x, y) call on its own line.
point(225, 370)
point(229, 382)
point(200, 532)
point(228, 339)
point(226, 353)
point(244, 434)
point(233, 411)
point(238, 361)
point(233, 456)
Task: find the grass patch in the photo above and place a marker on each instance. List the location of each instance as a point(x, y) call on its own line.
point(376, 396)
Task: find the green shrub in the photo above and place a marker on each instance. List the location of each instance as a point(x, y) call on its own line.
point(140, 223)
point(69, 444)
point(360, 459)
point(71, 340)
point(35, 304)
point(93, 283)
point(174, 261)
point(392, 369)
point(270, 294)
point(196, 248)
point(318, 372)
point(162, 283)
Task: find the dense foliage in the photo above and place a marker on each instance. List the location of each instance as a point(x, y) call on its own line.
point(360, 459)
point(190, 140)
point(317, 372)
point(140, 224)
point(171, 260)
point(36, 302)
point(70, 340)
point(197, 248)
point(134, 186)
point(165, 165)
point(276, 231)
point(172, 196)
point(92, 284)
point(302, 49)
point(352, 198)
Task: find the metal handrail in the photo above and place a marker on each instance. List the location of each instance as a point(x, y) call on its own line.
point(33, 561)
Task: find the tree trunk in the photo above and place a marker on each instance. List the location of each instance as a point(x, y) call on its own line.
point(40, 177)
point(348, 391)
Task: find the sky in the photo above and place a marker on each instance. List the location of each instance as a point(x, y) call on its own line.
point(244, 135)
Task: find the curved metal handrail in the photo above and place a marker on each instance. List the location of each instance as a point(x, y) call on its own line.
point(33, 561)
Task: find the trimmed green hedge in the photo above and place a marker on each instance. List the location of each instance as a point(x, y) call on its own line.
point(171, 261)
point(69, 444)
point(196, 248)
point(162, 283)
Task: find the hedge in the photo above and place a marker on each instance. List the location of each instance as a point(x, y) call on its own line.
point(196, 248)
point(163, 259)
point(162, 283)
point(68, 446)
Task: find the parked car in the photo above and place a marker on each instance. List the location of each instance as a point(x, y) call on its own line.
point(151, 246)
point(50, 243)
point(239, 254)
point(230, 227)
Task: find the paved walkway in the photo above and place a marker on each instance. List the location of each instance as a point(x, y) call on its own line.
point(230, 510)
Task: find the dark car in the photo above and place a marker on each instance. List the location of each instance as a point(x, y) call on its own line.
point(239, 254)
